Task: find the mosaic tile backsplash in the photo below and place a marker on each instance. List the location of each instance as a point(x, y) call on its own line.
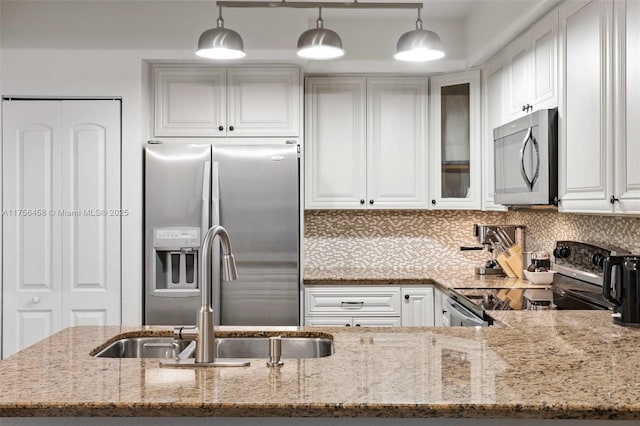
point(427, 239)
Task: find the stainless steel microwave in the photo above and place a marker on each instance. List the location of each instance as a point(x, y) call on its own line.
point(526, 160)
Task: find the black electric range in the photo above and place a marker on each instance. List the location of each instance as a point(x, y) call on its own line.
point(579, 278)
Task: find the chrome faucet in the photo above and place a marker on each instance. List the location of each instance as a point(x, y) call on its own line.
point(202, 333)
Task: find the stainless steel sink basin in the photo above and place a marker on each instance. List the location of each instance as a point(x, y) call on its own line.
point(226, 347)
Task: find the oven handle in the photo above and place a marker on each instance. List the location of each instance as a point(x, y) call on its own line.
point(530, 182)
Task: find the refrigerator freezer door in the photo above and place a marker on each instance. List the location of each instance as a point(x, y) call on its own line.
point(259, 207)
point(177, 180)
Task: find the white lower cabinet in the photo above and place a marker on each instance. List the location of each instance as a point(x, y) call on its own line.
point(353, 321)
point(368, 306)
point(417, 307)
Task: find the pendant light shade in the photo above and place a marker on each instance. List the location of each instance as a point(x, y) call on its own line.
point(220, 43)
point(419, 45)
point(320, 42)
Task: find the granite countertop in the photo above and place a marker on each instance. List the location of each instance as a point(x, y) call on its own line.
point(444, 277)
point(556, 364)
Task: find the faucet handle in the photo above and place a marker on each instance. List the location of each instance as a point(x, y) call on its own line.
point(185, 333)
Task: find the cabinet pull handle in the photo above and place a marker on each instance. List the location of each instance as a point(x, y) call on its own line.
point(355, 304)
point(35, 300)
point(613, 199)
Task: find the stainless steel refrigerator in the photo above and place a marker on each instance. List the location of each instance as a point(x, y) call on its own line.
point(251, 190)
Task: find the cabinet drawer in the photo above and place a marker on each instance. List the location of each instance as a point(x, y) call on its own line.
point(328, 321)
point(353, 301)
point(333, 321)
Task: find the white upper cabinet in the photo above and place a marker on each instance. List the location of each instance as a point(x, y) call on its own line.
point(197, 101)
point(626, 194)
point(396, 142)
point(365, 144)
point(532, 68)
point(585, 151)
point(335, 149)
point(494, 83)
point(190, 101)
point(455, 167)
point(263, 102)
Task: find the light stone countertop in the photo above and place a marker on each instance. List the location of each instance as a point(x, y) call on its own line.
point(540, 364)
point(445, 277)
point(559, 364)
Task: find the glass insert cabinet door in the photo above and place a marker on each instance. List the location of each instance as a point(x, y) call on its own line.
point(455, 143)
point(455, 179)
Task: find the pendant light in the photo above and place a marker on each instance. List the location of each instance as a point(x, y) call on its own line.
point(419, 45)
point(320, 42)
point(220, 42)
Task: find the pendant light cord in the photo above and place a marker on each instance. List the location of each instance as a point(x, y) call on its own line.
point(220, 20)
point(320, 21)
point(419, 21)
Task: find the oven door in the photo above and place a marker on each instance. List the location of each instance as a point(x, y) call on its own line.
point(461, 316)
point(571, 293)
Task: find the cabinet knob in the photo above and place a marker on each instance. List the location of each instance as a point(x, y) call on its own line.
point(433, 202)
point(221, 128)
point(362, 201)
point(613, 199)
point(357, 325)
point(562, 252)
point(35, 300)
point(371, 202)
point(231, 128)
point(347, 325)
point(407, 297)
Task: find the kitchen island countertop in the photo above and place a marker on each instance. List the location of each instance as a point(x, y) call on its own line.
point(550, 365)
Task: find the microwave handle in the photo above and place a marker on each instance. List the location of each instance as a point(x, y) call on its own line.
point(530, 182)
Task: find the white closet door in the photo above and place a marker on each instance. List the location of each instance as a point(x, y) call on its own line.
point(91, 194)
point(61, 221)
point(31, 273)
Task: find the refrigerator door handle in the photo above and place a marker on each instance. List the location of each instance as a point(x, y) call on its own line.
point(215, 195)
point(205, 198)
point(215, 220)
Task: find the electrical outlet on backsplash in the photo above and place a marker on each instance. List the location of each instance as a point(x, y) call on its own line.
point(432, 238)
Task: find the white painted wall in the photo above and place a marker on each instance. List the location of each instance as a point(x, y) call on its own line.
point(492, 24)
point(100, 48)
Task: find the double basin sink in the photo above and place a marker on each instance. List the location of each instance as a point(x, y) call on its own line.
point(225, 347)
